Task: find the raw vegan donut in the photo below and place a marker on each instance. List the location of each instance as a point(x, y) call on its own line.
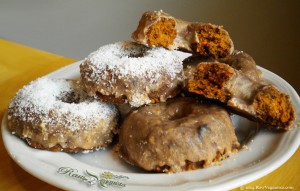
point(178, 135)
point(129, 72)
point(57, 115)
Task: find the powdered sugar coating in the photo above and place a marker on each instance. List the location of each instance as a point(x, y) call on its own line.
point(43, 102)
point(128, 58)
point(132, 71)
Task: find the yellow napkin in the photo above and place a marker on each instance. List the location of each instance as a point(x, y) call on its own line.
point(20, 64)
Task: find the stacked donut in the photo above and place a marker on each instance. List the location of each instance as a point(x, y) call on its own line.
point(170, 109)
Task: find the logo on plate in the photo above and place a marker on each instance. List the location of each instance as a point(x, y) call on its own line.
point(104, 179)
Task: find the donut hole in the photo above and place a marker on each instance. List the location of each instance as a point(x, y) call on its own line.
point(181, 111)
point(111, 98)
point(138, 51)
point(70, 97)
point(136, 55)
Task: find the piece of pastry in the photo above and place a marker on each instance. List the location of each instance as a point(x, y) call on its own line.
point(157, 28)
point(238, 83)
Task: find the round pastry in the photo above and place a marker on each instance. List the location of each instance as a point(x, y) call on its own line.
point(56, 115)
point(157, 28)
point(178, 135)
point(130, 72)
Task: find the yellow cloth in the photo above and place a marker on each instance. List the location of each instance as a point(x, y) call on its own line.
point(20, 64)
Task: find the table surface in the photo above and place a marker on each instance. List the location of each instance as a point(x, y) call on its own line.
point(20, 64)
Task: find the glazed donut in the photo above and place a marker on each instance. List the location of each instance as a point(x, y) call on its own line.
point(157, 28)
point(237, 82)
point(56, 115)
point(178, 135)
point(129, 72)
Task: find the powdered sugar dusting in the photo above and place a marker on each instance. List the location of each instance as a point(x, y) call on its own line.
point(43, 102)
point(129, 58)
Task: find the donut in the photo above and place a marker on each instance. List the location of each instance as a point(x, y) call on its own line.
point(236, 82)
point(127, 72)
point(178, 135)
point(157, 28)
point(57, 115)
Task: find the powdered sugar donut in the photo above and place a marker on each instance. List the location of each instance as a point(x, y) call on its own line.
point(133, 73)
point(55, 114)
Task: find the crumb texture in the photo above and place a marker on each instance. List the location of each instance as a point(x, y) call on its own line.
point(274, 107)
point(210, 80)
point(162, 33)
point(213, 41)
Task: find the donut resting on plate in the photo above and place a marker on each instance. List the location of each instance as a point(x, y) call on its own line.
point(57, 115)
point(179, 135)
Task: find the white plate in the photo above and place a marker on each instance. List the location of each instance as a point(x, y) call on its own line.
point(266, 152)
